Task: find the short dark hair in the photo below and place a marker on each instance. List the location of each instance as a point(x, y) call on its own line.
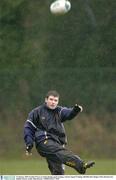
point(52, 93)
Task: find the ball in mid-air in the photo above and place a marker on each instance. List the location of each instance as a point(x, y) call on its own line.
point(60, 7)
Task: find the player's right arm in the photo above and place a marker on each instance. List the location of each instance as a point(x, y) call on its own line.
point(29, 131)
point(70, 113)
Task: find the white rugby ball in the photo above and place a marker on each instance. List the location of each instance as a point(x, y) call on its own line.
point(60, 7)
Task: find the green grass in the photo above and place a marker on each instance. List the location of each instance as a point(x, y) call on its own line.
point(39, 167)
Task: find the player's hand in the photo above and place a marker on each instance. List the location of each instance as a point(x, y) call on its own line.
point(81, 108)
point(28, 150)
point(78, 107)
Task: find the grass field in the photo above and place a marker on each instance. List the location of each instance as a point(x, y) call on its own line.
point(39, 167)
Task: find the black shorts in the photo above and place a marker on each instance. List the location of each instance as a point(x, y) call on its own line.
point(55, 152)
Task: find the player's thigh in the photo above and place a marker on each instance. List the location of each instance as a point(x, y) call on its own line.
point(54, 151)
point(48, 147)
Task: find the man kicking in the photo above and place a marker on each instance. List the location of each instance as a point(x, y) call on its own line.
point(44, 126)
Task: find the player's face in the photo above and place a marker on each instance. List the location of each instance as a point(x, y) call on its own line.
point(52, 102)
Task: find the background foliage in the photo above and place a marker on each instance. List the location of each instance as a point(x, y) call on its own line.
point(74, 54)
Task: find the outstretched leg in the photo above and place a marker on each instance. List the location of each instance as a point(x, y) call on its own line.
point(60, 155)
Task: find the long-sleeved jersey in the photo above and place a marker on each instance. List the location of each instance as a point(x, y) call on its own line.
point(44, 123)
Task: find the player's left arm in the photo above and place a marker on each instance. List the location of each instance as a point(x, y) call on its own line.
point(29, 131)
point(70, 113)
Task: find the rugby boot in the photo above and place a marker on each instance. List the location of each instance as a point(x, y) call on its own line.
point(87, 165)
